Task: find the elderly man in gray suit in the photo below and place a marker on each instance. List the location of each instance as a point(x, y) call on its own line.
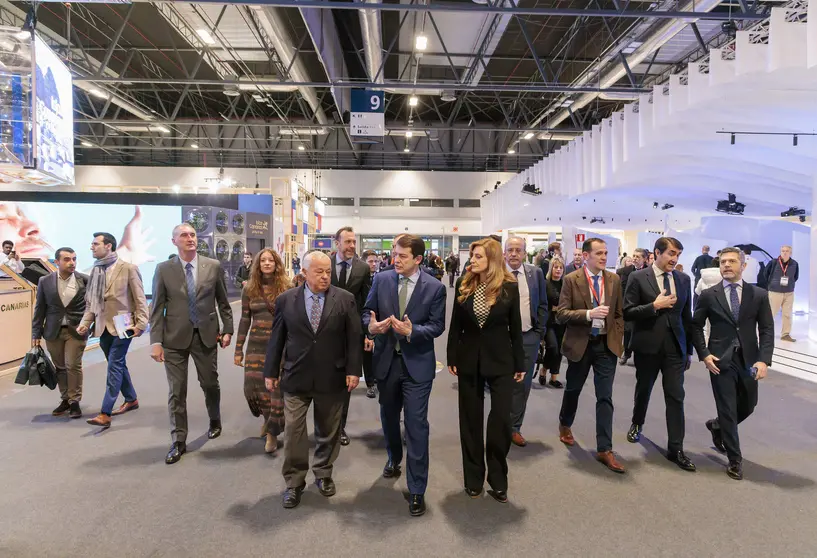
point(314, 354)
point(533, 307)
point(183, 324)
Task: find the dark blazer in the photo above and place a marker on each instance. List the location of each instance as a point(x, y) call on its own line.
point(624, 274)
point(314, 362)
point(170, 322)
point(701, 262)
point(554, 290)
point(725, 335)
point(358, 281)
point(651, 325)
point(537, 289)
point(575, 301)
point(49, 310)
point(496, 348)
point(426, 310)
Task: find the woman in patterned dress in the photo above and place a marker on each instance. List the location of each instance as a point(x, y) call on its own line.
point(485, 347)
point(267, 280)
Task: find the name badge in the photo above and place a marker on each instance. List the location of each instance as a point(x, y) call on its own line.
point(784, 281)
point(599, 323)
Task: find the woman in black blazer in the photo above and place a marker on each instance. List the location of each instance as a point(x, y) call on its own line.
point(485, 346)
point(555, 330)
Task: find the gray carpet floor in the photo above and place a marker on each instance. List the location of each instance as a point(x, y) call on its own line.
point(70, 490)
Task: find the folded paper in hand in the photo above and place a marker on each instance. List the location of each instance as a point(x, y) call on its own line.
point(123, 322)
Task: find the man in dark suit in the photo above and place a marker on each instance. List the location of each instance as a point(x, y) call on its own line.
point(353, 276)
point(590, 306)
point(57, 313)
point(735, 356)
point(577, 263)
point(183, 324)
point(406, 312)
point(316, 333)
point(657, 304)
point(534, 311)
point(704, 261)
point(639, 262)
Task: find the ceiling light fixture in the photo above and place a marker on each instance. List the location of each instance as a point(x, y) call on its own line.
point(421, 43)
point(409, 134)
point(87, 144)
point(98, 93)
point(176, 188)
point(413, 100)
point(511, 151)
point(205, 36)
point(194, 145)
point(162, 129)
point(301, 148)
point(529, 135)
point(406, 149)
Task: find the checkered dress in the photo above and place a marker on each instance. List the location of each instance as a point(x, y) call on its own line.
point(481, 308)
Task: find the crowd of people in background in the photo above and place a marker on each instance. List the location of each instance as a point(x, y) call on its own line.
point(307, 341)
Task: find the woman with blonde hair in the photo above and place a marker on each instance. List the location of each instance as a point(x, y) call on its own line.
point(485, 346)
point(268, 279)
point(555, 330)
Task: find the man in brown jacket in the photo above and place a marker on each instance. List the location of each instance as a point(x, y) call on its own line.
point(591, 307)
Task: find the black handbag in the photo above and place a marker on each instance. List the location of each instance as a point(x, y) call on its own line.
point(46, 372)
point(28, 369)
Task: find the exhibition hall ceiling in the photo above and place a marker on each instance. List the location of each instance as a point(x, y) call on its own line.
point(469, 85)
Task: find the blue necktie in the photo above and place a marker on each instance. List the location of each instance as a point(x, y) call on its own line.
point(191, 295)
point(734, 301)
point(315, 313)
point(595, 331)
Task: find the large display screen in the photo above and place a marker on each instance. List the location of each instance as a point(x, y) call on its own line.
point(37, 229)
point(54, 114)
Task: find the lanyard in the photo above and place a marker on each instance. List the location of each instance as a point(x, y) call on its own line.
point(597, 296)
point(780, 263)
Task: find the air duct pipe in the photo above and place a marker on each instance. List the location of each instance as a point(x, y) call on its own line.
point(372, 41)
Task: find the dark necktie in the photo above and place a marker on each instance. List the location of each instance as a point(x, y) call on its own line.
point(667, 287)
point(191, 294)
point(595, 331)
point(734, 301)
point(342, 276)
point(516, 274)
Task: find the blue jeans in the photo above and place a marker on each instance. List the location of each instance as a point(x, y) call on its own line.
point(116, 350)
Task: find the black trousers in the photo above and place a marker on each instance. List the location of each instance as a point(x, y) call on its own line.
point(493, 446)
point(628, 335)
point(735, 394)
point(671, 364)
point(553, 347)
point(368, 375)
point(603, 362)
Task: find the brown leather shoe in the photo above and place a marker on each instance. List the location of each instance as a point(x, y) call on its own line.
point(100, 420)
point(126, 406)
point(608, 458)
point(566, 436)
point(518, 440)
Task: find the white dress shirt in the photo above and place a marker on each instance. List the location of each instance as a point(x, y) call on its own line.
point(727, 290)
point(67, 290)
point(524, 297)
point(194, 271)
point(659, 276)
point(603, 293)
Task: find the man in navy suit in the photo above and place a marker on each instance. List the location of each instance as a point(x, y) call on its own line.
point(534, 310)
point(405, 312)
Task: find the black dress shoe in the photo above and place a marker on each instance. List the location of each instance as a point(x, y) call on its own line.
point(717, 438)
point(417, 505)
point(473, 493)
point(542, 380)
point(344, 438)
point(75, 412)
point(371, 392)
point(500, 496)
point(61, 409)
point(680, 459)
point(735, 471)
point(634, 434)
point(176, 452)
point(326, 487)
point(556, 384)
point(215, 429)
point(292, 497)
point(391, 470)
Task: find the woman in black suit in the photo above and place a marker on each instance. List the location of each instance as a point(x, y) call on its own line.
point(555, 330)
point(485, 346)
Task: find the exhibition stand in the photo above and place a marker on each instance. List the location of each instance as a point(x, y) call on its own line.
point(16, 307)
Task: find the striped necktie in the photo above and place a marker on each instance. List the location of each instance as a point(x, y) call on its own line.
point(191, 294)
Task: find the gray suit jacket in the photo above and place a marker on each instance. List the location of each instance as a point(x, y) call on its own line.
point(170, 322)
point(49, 309)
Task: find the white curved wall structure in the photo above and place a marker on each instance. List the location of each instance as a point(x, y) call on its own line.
point(674, 144)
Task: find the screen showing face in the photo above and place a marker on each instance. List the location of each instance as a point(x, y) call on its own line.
point(143, 233)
